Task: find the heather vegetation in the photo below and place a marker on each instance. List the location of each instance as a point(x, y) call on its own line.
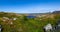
point(24, 24)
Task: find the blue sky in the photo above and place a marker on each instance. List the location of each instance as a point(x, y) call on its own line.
point(29, 6)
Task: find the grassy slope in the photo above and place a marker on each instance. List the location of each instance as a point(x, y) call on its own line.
point(22, 24)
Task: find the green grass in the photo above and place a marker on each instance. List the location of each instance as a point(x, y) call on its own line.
point(23, 24)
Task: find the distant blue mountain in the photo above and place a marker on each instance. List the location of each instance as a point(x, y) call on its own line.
point(56, 12)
